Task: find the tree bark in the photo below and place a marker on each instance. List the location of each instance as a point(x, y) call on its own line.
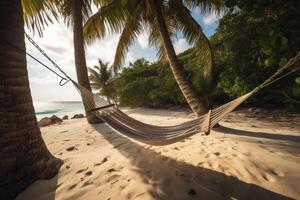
point(79, 53)
point(198, 107)
point(24, 157)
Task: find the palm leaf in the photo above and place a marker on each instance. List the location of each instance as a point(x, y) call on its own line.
point(130, 32)
point(205, 6)
point(109, 19)
point(192, 31)
point(38, 13)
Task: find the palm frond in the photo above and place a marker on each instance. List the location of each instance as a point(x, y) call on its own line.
point(66, 9)
point(192, 31)
point(109, 19)
point(130, 32)
point(155, 38)
point(205, 6)
point(39, 13)
point(101, 77)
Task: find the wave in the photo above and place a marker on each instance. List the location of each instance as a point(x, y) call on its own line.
point(53, 111)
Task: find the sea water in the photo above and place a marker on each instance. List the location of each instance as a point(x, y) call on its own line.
point(58, 108)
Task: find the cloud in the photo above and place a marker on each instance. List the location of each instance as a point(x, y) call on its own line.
point(54, 48)
point(104, 49)
point(57, 42)
point(143, 38)
point(181, 45)
point(211, 18)
point(130, 58)
point(49, 78)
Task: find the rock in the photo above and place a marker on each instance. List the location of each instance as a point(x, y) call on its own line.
point(65, 117)
point(77, 116)
point(55, 119)
point(46, 121)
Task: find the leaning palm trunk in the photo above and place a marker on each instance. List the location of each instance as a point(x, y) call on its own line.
point(80, 62)
point(24, 157)
point(198, 107)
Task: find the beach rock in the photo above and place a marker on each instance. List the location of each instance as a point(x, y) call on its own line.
point(65, 117)
point(77, 116)
point(55, 119)
point(46, 121)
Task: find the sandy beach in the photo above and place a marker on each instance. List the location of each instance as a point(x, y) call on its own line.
point(252, 155)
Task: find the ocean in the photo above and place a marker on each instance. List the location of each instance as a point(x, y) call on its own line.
point(58, 108)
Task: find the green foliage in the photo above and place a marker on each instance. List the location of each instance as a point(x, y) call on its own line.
point(153, 85)
point(143, 84)
point(253, 40)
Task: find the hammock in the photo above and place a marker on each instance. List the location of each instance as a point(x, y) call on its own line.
point(147, 133)
point(150, 134)
point(163, 135)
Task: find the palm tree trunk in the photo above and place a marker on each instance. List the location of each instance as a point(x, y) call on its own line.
point(24, 157)
point(198, 107)
point(79, 53)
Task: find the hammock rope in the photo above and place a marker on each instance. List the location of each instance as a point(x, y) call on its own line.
point(151, 134)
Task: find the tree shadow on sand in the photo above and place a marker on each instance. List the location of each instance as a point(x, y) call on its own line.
point(231, 131)
point(173, 179)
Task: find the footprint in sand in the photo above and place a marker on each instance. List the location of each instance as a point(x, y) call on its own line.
point(81, 170)
point(72, 187)
point(217, 153)
point(268, 177)
point(87, 183)
point(71, 148)
point(103, 161)
point(111, 170)
point(88, 173)
point(277, 172)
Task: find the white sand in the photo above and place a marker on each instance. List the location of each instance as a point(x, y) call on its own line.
point(248, 158)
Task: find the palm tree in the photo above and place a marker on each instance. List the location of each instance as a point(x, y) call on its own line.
point(101, 78)
point(163, 17)
point(39, 13)
point(75, 12)
point(24, 157)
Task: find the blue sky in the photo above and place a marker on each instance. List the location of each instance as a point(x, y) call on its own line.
point(57, 42)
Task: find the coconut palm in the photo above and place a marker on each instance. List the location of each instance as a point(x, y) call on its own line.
point(163, 18)
point(101, 78)
point(75, 12)
point(38, 13)
point(24, 157)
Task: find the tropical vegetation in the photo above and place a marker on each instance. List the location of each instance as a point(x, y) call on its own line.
point(252, 41)
point(243, 59)
point(163, 19)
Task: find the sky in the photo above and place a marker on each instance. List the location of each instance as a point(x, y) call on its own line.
point(57, 42)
